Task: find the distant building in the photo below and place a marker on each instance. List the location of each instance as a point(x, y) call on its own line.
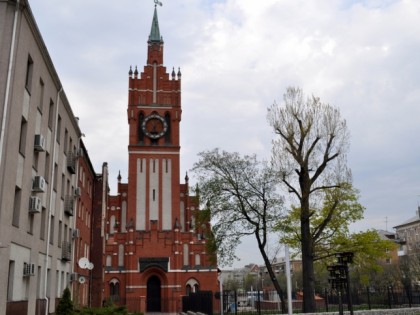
point(407, 235)
point(392, 254)
point(42, 186)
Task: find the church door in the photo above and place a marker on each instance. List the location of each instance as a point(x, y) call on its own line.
point(153, 294)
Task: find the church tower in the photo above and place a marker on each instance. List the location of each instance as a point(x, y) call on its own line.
point(155, 251)
point(154, 115)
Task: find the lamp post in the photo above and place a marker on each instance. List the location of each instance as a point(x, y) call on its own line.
point(219, 275)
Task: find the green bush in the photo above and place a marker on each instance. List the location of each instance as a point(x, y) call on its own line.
point(108, 310)
point(65, 306)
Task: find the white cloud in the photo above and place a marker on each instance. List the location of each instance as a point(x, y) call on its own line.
point(236, 58)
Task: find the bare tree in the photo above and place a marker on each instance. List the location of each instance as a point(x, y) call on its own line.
point(241, 196)
point(310, 156)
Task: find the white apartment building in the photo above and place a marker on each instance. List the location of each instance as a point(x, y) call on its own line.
point(39, 143)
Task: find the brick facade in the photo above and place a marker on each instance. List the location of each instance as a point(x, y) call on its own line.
point(155, 254)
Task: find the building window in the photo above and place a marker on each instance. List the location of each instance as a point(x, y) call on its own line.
point(63, 185)
point(60, 232)
point(30, 224)
point(66, 137)
point(22, 139)
point(55, 176)
point(16, 206)
point(48, 284)
point(114, 290)
point(43, 219)
point(51, 114)
point(58, 131)
point(35, 161)
point(10, 281)
point(47, 167)
point(188, 289)
point(186, 255)
point(41, 95)
point(111, 224)
point(29, 71)
point(120, 255)
point(52, 230)
point(192, 286)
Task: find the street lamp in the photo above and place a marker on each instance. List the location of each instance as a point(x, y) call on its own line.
point(339, 278)
point(346, 258)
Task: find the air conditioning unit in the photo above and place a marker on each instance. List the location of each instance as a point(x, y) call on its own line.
point(39, 143)
point(74, 276)
point(28, 269)
point(80, 152)
point(76, 233)
point(35, 204)
point(38, 184)
point(77, 192)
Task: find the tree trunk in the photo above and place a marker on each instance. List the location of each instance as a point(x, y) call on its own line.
point(307, 259)
point(307, 270)
point(273, 278)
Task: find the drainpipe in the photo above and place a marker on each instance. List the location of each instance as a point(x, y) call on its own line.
point(47, 252)
point(8, 86)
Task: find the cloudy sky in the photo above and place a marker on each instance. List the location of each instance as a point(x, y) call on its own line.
point(237, 57)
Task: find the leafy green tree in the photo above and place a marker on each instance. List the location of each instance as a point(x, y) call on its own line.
point(309, 153)
point(65, 306)
point(250, 282)
point(409, 267)
point(330, 238)
point(240, 195)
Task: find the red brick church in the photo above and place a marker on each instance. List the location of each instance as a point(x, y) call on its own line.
point(154, 253)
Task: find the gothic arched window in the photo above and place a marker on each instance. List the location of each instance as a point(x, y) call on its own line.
point(114, 290)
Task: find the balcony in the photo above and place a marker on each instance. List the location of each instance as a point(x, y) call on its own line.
point(66, 251)
point(71, 162)
point(69, 205)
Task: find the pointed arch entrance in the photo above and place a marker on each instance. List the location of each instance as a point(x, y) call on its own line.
point(153, 294)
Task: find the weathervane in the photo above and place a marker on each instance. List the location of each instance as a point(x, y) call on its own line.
point(157, 2)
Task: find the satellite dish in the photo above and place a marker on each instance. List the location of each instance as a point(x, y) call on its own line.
point(90, 266)
point(82, 279)
point(84, 263)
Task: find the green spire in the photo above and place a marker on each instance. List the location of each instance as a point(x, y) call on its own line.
point(154, 32)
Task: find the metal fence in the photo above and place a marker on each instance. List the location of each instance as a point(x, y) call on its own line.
point(201, 301)
point(268, 302)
